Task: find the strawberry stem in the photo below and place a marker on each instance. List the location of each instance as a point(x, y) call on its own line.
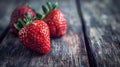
point(26, 20)
point(50, 7)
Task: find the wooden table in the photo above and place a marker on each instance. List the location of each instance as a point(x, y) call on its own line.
point(92, 39)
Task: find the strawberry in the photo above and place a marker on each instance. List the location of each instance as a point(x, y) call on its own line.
point(19, 12)
point(34, 35)
point(55, 20)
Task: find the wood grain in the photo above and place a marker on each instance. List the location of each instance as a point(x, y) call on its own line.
point(103, 24)
point(67, 51)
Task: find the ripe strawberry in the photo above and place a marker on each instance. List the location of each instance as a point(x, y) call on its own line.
point(35, 35)
point(19, 12)
point(55, 20)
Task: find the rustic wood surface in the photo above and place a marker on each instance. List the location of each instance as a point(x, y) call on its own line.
point(67, 51)
point(102, 20)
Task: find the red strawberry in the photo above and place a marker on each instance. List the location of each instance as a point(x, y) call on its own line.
point(55, 20)
point(19, 12)
point(34, 35)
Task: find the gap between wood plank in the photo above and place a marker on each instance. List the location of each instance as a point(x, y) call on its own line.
point(4, 33)
point(91, 58)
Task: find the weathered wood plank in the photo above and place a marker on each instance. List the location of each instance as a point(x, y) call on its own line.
point(67, 51)
point(103, 24)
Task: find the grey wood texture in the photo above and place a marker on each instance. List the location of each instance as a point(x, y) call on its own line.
point(102, 19)
point(67, 51)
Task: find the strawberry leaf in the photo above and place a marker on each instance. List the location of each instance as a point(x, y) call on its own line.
point(49, 6)
point(21, 22)
point(44, 9)
point(40, 16)
point(55, 5)
point(17, 26)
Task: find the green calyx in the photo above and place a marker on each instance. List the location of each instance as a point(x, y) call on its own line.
point(47, 9)
point(21, 23)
